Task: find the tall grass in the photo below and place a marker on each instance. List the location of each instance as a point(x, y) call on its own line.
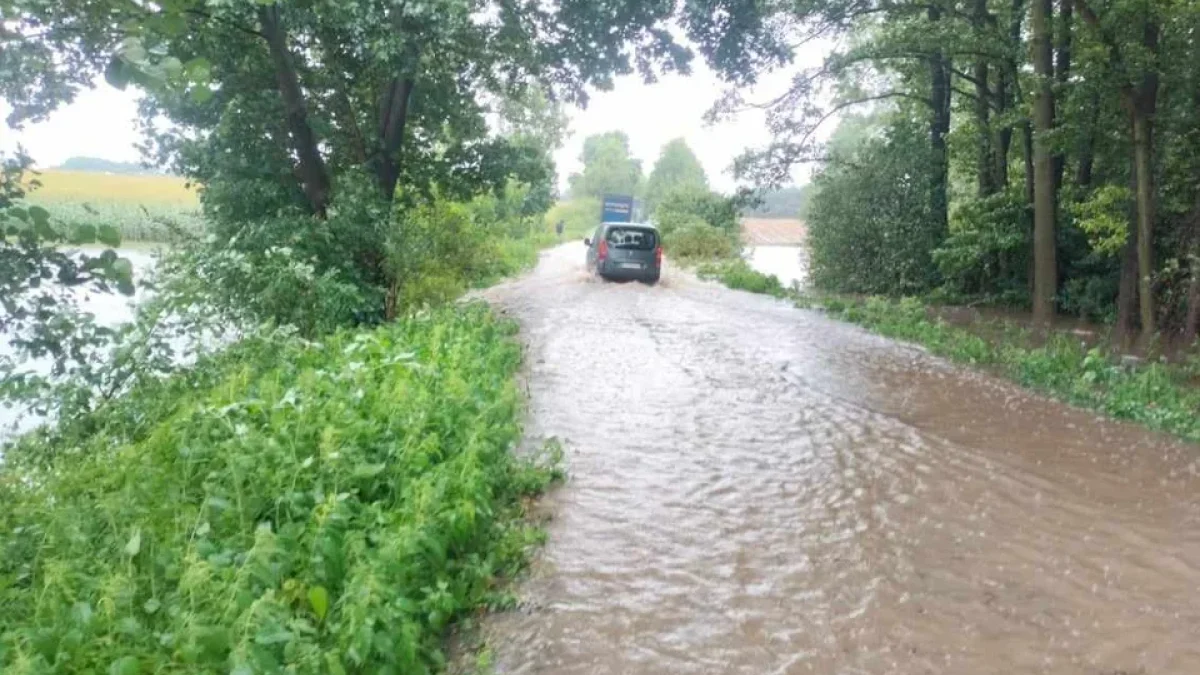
point(292, 507)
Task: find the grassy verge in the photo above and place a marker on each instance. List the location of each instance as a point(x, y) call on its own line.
point(739, 275)
point(291, 507)
point(1161, 396)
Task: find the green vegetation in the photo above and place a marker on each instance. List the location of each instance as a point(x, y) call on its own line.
point(579, 217)
point(739, 275)
point(1037, 154)
point(698, 225)
point(608, 168)
point(316, 507)
point(295, 458)
point(676, 170)
point(157, 223)
point(697, 241)
point(869, 227)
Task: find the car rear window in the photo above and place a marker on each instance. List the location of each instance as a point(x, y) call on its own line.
point(633, 238)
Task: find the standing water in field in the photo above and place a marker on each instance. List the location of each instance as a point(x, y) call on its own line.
point(757, 489)
point(788, 263)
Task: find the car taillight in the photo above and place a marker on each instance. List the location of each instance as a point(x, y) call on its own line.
point(602, 250)
point(658, 256)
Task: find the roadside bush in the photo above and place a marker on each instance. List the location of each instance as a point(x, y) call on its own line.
point(869, 225)
point(986, 254)
point(303, 507)
point(699, 241)
point(739, 275)
point(685, 206)
point(368, 261)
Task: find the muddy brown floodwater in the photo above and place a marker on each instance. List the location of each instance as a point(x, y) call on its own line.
point(758, 489)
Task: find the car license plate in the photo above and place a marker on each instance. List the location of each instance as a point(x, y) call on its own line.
point(631, 266)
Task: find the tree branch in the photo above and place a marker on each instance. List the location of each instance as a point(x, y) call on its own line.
point(201, 14)
point(858, 101)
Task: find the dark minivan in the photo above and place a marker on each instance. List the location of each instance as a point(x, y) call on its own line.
point(625, 251)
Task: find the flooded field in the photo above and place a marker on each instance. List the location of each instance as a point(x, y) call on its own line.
point(756, 489)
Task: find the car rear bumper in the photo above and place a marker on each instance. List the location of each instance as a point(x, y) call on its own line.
point(616, 272)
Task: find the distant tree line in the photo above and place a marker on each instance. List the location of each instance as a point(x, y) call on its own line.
point(98, 165)
point(788, 202)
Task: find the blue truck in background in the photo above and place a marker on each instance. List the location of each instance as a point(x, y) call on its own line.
point(617, 209)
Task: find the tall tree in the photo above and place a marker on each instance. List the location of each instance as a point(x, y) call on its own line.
point(1045, 195)
point(677, 168)
point(607, 167)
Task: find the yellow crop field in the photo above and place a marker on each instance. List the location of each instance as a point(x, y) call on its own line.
point(142, 208)
point(92, 187)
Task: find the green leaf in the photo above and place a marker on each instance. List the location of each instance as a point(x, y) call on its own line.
point(171, 66)
point(83, 233)
point(122, 268)
point(134, 545)
point(318, 597)
point(132, 51)
point(152, 605)
point(126, 665)
point(45, 231)
point(201, 94)
point(109, 236)
point(116, 73)
point(39, 215)
point(198, 70)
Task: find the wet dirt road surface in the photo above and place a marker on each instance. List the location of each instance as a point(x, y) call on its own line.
point(757, 489)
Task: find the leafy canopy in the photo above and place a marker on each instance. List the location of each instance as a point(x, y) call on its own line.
point(608, 167)
point(677, 168)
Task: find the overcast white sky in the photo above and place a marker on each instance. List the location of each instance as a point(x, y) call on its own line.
point(100, 123)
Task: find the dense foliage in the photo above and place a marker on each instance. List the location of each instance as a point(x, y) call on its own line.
point(316, 507)
point(1060, 141)
point(608, 168)
point(869, 225)
point(677, 169)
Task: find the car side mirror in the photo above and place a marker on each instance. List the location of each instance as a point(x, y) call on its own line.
point(587, 242)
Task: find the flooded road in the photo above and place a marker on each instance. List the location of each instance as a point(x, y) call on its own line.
point(757, 489)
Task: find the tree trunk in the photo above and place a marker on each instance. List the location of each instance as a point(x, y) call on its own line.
point(1006, 95)
point(1087, 151)
point(1045, 273)
point(986, 171)
point(1143, 109)
point(939, 127)
point(1143, 162)
point(986, 164)
point(1127, 293)
point(1062, 75)
point(1191, 323)
point(393, 116)
point(314, 176)
point(1004, 134)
